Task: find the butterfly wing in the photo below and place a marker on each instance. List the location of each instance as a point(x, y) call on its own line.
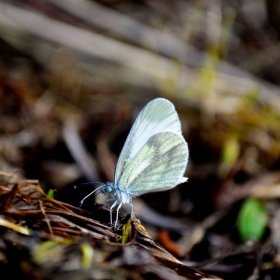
point(159, 165)
point(157, 116)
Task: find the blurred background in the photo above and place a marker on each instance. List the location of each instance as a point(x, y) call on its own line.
point(75, 74)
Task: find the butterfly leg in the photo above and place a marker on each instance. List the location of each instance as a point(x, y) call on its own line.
point(111, 210)
point(118, 213)
point(82, 201)
point(131, 208)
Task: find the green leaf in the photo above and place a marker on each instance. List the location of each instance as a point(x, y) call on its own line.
point(48, 249)
point(50, 193)
point(252, 219)
point(230, 151)
point(126, 231)
point(87, 255)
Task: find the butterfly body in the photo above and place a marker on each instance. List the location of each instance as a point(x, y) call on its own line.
point(120, 197)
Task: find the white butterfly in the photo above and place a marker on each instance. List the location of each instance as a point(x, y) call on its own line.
point(154, 156)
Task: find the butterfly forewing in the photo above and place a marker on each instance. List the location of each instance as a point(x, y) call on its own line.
point(159, 165)
point(157, 116)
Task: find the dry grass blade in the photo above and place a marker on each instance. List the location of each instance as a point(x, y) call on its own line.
point(59, 236)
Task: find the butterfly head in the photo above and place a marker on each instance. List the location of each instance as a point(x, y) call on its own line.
point(121, 196)
point(107, 188)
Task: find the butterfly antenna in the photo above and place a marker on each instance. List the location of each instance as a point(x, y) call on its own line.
point(82, 201)
point(89, 183)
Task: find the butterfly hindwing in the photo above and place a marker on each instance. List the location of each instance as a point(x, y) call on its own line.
point(159, 165)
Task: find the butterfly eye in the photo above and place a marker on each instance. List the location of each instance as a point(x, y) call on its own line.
point(107, 189)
